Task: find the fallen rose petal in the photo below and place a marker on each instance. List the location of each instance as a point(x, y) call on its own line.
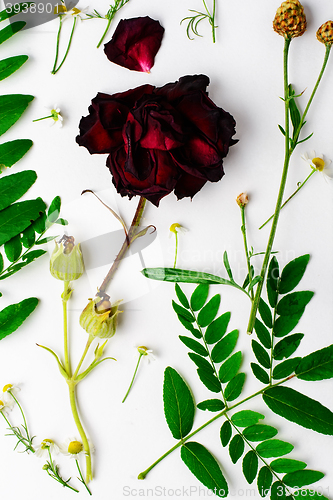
point(135, 43)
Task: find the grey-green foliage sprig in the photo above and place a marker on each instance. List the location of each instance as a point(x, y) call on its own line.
point(195, 20)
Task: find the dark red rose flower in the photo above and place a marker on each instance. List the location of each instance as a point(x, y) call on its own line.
point(135, 43)
point(159, 140)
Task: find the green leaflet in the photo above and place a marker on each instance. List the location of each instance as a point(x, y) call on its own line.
point(10, 65)
point(11, 317)
point(272, 281)
point(13, 248)
point(12, 107)
point(193, 345)
point(234, 387)
point(260, 373)
point(211, 405)
point(264, 481)
point(293, 303)
point(224, 347)
point(13, 186)
point(205, 468)
point(293, 273)
point(262, 333)
point(18, 216)
point(10, 30)
point(300, 478)
point(299, 408)
point(286, 368)
point(244, 418)
point(199, 297)
point(236, 448)
point(13, 151)
point(209, 379)
point(250, 466)
point(287, 346)
point(230, 367)
point(181, 296)
point(274, 448)
point(261, 354)
point(178, 404)
point(287, 465)
point(316, 366)
point(227, 265)
point(225, 433)
point(265, 313)
point(285, 324)
point(201, 362)
point(183, 312)
point(259, 432)
point(209, 311)
point(217, 328)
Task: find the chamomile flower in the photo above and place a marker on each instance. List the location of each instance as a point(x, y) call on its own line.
point(6, 406)
point(9, 391)
point(62, 11)
point(53, 114)
point(177, 228)
point(319, 163)
point(146, 353)
point(72, 448)
point(46, 446)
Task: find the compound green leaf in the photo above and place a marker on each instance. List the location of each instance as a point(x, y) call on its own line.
point(261, 354)
point(201, 362)
point(11, 317)
point(300, 478)
point(17, 217)
point(265, 313)
point(12, 107)
point(260, 373)
point(281, 465)
point(225, 433)
point(264, 481)
point(285, 324)
point(181, 296)
point(183, 312)
point(210, 380)
point(13, 248)
point(54, 209)
point(244, 418)
point(259, 432)
point(286, 368)
point(193, 345)
point(262, 333)
point(211, 405)
point(13, 186)
point(230, 367)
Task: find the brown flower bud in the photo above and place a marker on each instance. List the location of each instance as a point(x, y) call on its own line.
point(242, 199)
point(325, 33)
point(290, 20)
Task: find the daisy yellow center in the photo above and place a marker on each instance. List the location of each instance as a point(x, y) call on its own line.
point(55, 115)
point(143, 350)
point(7, 388)
point(75, 447)
point(2, 404)
point(319, 164)
point(174, 227)
point(46, 443)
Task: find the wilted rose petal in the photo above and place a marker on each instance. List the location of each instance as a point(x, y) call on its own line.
point(135, 43)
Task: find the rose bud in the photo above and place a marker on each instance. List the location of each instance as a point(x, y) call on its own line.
point(66, 262)
point(325, 33)
point(290, 20)
point(135, 43)
point(99, 318)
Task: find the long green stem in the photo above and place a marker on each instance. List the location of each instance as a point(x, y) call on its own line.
point(64, 309)
point(57, 45)
point(105, 32)
point(243, 228)
point(55, 70)
point(132, 381)
point(81, 477)
point(88, 344)
point(176, 250)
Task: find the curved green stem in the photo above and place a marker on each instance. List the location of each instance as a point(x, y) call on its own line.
point(243, 229)
point(55, 70)
point(81, 477)
point(105, 32)
point(57, 46)
point(88, 344)
point(132, 381)
point(64, 308)
point(176, 250)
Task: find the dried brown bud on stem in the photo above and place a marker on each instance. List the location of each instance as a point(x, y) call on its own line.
point(290, 20)
point(325, 33)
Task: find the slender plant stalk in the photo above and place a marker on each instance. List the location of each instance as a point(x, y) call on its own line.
point(64, 309)
point(176, 250)
point(243, 228)
point(88, 344)
point(57, 46)
point(81, 477)
point(132, 381)
point(55, 70)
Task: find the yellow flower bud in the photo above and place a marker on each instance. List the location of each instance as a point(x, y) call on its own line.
point(99, 318)
point(290, 20)
point(325, 33)
point(66, 262)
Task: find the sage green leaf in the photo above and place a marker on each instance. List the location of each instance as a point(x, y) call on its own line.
point(287, 346)
point(293, 273)
point(272, 281)
point(316, 366)
point(10, 65)
point(178, 404)
point(51, 238)
point(183, 312)
point(224, 347)
point(265, 313)
point(13, 151)
point(201, 362)
point(217, 328)
point(259, 432)
point(260, 373)
point(261, 354)
point(1, 262)
point(205, 468)
point(54, 209)
point(33, 255)
point(181, 296)
point(182, 276)
point(199, 296)
point(209, 311)
point(293, 303)
point(13, 248)
point(234, 387)
point(236, 448)
point(12, 106)
point(227, 265)
point(13, 186)
point(278, 491)
point(244, 418)
point(225, 433)
point(62, 222)
point(211, 405)
point(300, 409)
point(285, 324)
point(286, 368)
point(262, 333)
point(264, 481)
point(281, 465)
point(300, 478)
point(230, 367)
point(17, 217)
point(193, 345)
point(10, 30)
point(274, 448)
point(11, 317)
point(250, 466)
point(210, 380)
point(14, 9)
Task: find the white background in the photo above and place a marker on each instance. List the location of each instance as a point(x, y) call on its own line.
point(245, 70)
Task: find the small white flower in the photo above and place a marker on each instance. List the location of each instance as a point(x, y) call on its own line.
point(318, 162)
point(146, 353)
point(72, 448)
point(56, 116)
point(6, 406)
point(62, 11)
point(177, 228)
point(44, 447)
point(10, 390)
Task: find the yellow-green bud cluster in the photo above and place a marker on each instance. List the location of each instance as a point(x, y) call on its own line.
point(66, 262)
point(99, 318)
point(290, 20)
point(325, 33)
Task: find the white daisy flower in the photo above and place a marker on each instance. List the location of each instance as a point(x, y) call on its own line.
point(6, 406)
point(10, 390)
point(71, 13)
point(44, 447)
point(177, 228)
point(72, 448)
point(319, 163)
point(53, 113)
point(146, 353)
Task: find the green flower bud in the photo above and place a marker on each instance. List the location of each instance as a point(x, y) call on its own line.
point(99, 318)
point(66, 262)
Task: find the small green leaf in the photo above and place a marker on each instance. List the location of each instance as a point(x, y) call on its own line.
point(265, 313)
point(244, 418)
point(10, 65)
point(259, 432)
point(54, 209)
point(209, 311)
point(236, 448)
point(250, 466)
point(189, 326)
point(287, 346)
point(255, 280)
point(13, 248)
point(281, 465)
point(28, 237)
point(293, 303)
point(217, 328)
point(201, 362)
point(51, 238)
point(13, 151)
point(234, 387)
point(265, 479)
point(285, 324)
point(62, 222)
point(282, 130)
point(181, 296)
point(12, 106)
point(261, 354)
point(178, 404)
point(199, 297)
point(205, 468)
point(274, 448)
point(224, 347)
point(17, 217)
point(227, 265)
point(225, 433)
point(33, 255)
point(211, 405)
point(13, 186)
point(230, 367)
point(262, 333)
point(182, 276)
point(210, 380)
point(10, 30)
point(260, 373)
point(286, 368)
point(182, 312)
point(293, 273)
point(300, 478)
point(193, 345)
point(11, 317)
point(272, 281)
point(316, 366)
point(278, 491)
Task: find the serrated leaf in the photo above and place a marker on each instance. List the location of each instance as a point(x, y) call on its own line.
point(199, 297)
point(13, 248)
point(230, 367)
point(236, 448)
point(54, 209)
point(244, 418)
point(224, 347)
point(262, 334)
point(194, 345)
point(272, 281)
point(265, 313)
point(9, 65)
point(300, 478)
point(13, 186)
point(293, 273)
point(227, 265)
point(298, 408)
point(250, 466)
point(179, 310)
point(285, 324)
point(286, 368)
point(293, 303)
point(225, 433)
point(287, 346)
point(33, 255)
point(211, 405)
point(28, 237)
point(274, 448)
point(181, 296)
point(178, 404)
point(17, 217)
point(261, 354)
point(217, 328)
point(10, 30)
point(201, 362)
point(260, 373)
point(281, 465)
point(205, 468)
point(259, 432)
point(265, 479)
point(12, 107)
point(209, 379)
point(234, 387)
point(209, 311)
point(316, 366)
point(11, 317)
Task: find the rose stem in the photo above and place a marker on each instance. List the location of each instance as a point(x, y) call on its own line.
point(135, 372)
point(135, 223)
point(243, 229)
point(55, 70)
